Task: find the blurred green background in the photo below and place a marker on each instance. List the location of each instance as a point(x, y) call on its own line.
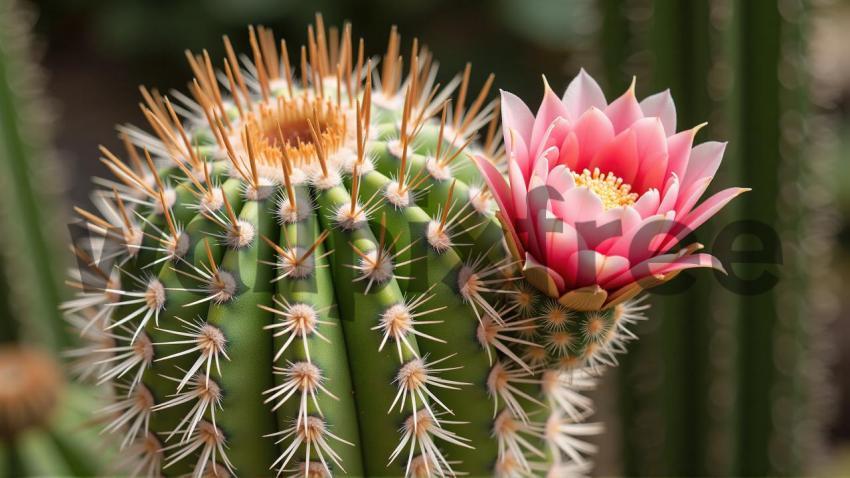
point(720, 383)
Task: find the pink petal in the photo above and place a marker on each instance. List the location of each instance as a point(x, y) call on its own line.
point(605, 227)
point(578, 205)
point(560, 179)
point(591, 267)
point(636, 242)
point(704, 161)
point(540, 168)
point(611, 267)
point(661, 105)
point(554, 137)
point(652, 153)
point(664, 264)
point(559, 242)
point(710, 207)
point(688, 199)
point(518, 192)
point(658, 243)
point(582, 94)
point(620, 157)
point(647, 204)
point(671, 195)
point(651, 173)
point(700, 215)
point(498, 186)
point(538, 196)
point(624, 111)
point(518, 154)
point(550, 109)
point(593, 130)
point(569, 151)
point(679, 152)
point(515, 116)
point(693, 261)
point(626, 219)
point(536, 241)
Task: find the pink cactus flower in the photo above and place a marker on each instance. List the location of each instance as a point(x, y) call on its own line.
point(599, 194)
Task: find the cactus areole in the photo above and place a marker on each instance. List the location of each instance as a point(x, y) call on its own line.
point(297, 269)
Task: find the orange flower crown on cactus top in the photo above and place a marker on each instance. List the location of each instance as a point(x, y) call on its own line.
point(599, 194)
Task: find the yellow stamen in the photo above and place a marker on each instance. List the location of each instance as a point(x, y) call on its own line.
point(607, 187)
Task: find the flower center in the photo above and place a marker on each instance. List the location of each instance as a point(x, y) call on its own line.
point(607, 187)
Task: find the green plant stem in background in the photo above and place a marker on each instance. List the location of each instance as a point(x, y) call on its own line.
point(695, 392)
point(759, 135)
point(29, 257)
point(664, 380)
point(41, 416)
point(774, 81)
point(679, 43)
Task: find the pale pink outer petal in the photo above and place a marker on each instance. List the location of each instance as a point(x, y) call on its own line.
point(496, 182)
point(518, 154)
point(658, 243)
point(550, 109)
point(620, 157)
point(502, 195)
point(518, 196)
point(582, 94)
point(688, 199)
point(538, 199)
point(679, 152)
point(554, 137)
point(661, 106)
point(647, 204)
point(612, 267)
point(635, 243)
point(515, 116)
point(671, 195)
point(707, 209)
point(540, 168)
point(593, 130)
point(624, 111)
point(561, 180)
point(704, 161)
point(664, 264)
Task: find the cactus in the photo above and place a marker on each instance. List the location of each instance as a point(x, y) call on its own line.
point(298, 270)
